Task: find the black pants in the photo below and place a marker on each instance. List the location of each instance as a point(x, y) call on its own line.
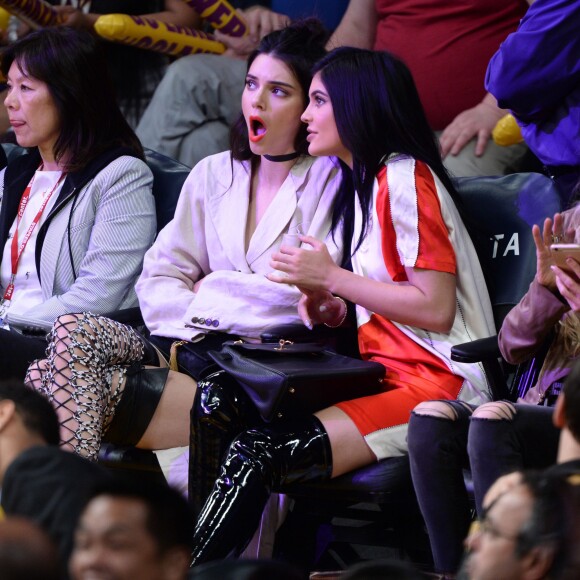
point(17, 352)
point(439, 450)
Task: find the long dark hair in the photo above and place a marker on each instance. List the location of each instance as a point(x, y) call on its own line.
point(73, 67)
point(299, 46)
point(378, 112)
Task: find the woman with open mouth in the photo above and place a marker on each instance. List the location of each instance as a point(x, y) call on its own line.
point(204, 280)
point(415, 279)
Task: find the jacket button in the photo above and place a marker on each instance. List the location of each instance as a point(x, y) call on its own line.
point(195, 320)
point(208, 321)
point(201, 320)
point(215, 323)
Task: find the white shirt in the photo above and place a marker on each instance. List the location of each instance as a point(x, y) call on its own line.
point(27, 290)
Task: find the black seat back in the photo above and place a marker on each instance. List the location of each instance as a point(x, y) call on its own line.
point(168, 178)
point(502, 210)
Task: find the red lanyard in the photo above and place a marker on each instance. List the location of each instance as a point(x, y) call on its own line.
point(16, 250)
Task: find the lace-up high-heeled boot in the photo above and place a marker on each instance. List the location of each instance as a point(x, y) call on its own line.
point(221, 411)
point(258, 462)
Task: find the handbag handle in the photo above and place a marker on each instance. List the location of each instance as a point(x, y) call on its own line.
point(282, 347)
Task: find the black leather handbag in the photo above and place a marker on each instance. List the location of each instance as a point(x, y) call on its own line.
point(287, 379)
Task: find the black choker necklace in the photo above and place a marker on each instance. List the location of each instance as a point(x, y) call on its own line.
point(280, 158)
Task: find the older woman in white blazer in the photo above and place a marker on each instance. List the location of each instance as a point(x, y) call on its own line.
point(77, 212)
point(204, 279)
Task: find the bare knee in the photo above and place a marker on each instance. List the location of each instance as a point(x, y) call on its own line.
point(64, 325)
point(495, 411)
point(439, 409)
point(67, 320)
point(39, 366)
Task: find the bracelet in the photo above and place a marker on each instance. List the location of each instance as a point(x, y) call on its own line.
point(343, 316)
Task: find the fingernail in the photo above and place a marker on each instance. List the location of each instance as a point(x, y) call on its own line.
point(308, 324)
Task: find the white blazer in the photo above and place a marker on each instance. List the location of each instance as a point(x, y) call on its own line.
point(206, 239)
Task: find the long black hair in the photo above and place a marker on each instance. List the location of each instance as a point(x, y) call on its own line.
point(300, 45)
point(72, 65)
point(378, 112)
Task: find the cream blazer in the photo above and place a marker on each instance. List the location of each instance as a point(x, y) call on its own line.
point(206, 239)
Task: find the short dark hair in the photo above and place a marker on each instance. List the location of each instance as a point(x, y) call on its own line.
point(378, 112)
point(34, 408)
point(572, 401)
point(298, 46)
point(27, 551)
point(170, 520)
point(553, 521)
point(73, 66)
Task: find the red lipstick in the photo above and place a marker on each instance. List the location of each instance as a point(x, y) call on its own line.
point(257, 129)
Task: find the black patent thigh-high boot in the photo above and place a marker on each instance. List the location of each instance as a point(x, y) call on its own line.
point(258, 462)
point(221, 411)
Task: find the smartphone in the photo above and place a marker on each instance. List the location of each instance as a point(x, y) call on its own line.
point(562, 251)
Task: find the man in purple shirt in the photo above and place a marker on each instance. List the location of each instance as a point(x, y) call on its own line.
point(536, 74)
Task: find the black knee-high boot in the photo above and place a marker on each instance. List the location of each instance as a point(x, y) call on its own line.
point(259, 461)
point(221, 411)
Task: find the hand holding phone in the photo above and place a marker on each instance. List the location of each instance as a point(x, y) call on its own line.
point(560, 252)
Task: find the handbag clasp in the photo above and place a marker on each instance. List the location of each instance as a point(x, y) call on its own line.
point(283, 343)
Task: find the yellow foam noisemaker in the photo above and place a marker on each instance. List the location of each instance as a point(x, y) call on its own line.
point(35, 13)
point(155, 35)
point(220, 14)
point(4, 19)
point(507, 131)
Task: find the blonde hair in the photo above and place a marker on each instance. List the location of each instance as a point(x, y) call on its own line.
point(569, 330)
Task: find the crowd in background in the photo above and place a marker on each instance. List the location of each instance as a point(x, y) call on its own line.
point(347, 130)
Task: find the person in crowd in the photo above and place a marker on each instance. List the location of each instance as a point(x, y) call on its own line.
point(448, 55)
point(536, 74)
point(40, 481)
point(135, 72)
point(415, 298)
point(446, 437)
point(447, 48)
point(562, 556)
point(130, 530)
point(529, 530)
point(203, 280)
point(196, 102)
point(566, 418)
point(26, 551)
point(76, 213)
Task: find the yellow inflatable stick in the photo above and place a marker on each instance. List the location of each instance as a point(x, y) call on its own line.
point(155, 35)
point(507, 131)
point(220, 14)
point(4, 19)
point(35, 13)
